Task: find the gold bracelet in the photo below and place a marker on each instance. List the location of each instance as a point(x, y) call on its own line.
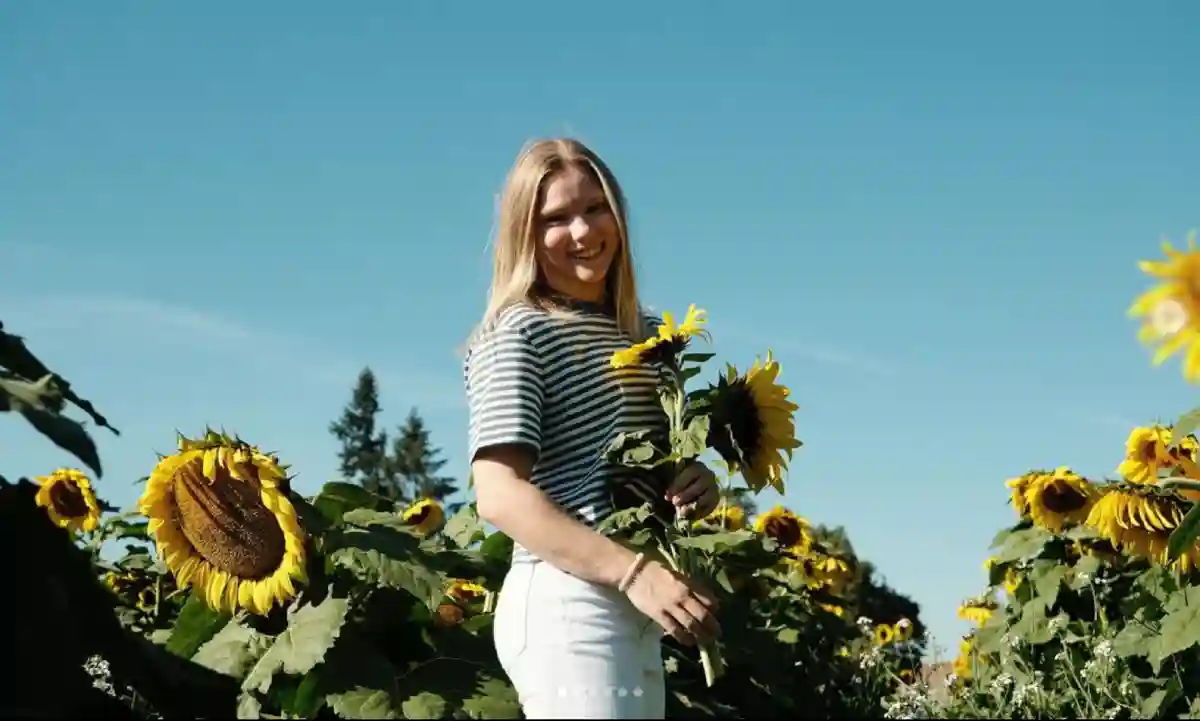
point(631, 575)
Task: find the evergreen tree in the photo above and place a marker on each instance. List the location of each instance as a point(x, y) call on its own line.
point(415, 463)
point(364, 451)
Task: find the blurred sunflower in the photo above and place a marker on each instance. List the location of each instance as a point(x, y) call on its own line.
point(1146, 452)
point(1012, 580)
point(903, 629)
point(833, 608)
point(907, 676)
point(1059, 498)
point(1170, 312)
point(221, 519)
point(827, 571)
point(146, 599)
point(977, 610)
point(426, 516)
point(69, 500)
point(1138, 521)
point(664, 347)
point(790, 531)
point(884, 634)
point(465, 592)
point(1017, 486)
point(752, 425)
point(727, 516)
point(964, 664)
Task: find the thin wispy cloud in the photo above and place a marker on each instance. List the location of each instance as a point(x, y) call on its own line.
point(155, 320)
point(812, 351)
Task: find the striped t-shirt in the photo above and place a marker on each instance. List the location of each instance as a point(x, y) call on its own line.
point(544, 381)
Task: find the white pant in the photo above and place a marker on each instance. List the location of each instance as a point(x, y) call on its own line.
point(575, 649)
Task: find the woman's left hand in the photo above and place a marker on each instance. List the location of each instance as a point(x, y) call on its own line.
point(695, 484)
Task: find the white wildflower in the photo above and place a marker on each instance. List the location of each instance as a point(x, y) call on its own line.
point(1104, 650)
point(97, 668)
point(1001, 683)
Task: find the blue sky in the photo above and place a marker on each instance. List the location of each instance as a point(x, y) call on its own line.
point(931, 212)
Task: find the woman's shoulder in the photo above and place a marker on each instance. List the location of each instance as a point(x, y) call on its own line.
point(519, 322)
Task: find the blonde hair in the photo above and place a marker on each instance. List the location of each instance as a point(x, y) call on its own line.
point(515, 269)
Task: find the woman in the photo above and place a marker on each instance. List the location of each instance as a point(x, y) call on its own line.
point(580, 619)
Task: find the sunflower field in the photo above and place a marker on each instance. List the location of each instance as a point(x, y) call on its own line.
point(233, 594)
point(1091, 607)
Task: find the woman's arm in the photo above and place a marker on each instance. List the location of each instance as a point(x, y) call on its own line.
point(506, 499)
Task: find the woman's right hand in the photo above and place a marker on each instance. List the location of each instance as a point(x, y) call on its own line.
point(684, 609)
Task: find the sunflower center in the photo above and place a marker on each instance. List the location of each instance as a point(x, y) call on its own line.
point(735, 430)
point(1148, 452)
point(418, 517)
point(1062, 498)
point(785, 531)
point(226, 522)
point(68, 500)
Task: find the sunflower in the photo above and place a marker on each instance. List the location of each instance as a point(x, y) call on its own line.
point(907, 676)
point(1012, 580)
point(827, 571)
point(903, 629)
point(964, 665)
point(464, 592)
point(727, 516)
point(790, 531)
point(222, 522)
point(69, 500)
point(1059, 498)
point(146, 598)
point(1138, 521)
point(1146, 453)
point(1170, 312)
point(664, 347)
point(1017, 487)
point(884, 634)
point(833, 608)
point(977, 610)
point(752, 426)
point(426, 516)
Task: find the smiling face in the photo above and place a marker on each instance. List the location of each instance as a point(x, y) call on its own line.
point(577, 234)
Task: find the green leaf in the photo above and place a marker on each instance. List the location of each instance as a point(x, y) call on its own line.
point(1187, 424)
point(1180, 629)
point(310, 633)
point(308, 699)
point(1185, 534)
point(336, 498)
point(697, 357)
point(723, 541)
point(424, 705)
point(232, 650)
point(694, 439)
point(788, 635)
point(1047, 577)
point(195, 625)
point(386, 557)
point(493, 699)
point(465, 527)
point(362, 703)
point(1033, 625)
point(1022, 544)
point(248, 706)
point(1082, 573)
point(497, 546)
point(1161, 699)
point(41, 403)
point(626, 519)
point(1134, 639)
point(636, 450)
